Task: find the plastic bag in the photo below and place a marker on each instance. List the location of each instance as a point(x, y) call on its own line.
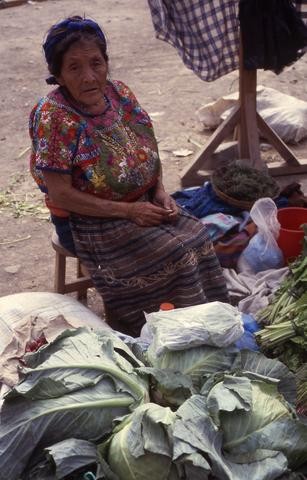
point(248, 340)
point(216, 324)
point(262, 252)
point(285, 114)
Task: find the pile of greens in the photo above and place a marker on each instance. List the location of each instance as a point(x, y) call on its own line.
point(239, 427)
point(88, 408)
point(241, 182)
point(284, 321)
point(73, 387)
point(285, 318)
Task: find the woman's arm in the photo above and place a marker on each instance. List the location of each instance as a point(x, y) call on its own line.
point(162, 198)
point(63, 195)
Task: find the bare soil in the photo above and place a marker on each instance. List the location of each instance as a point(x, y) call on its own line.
point(153, 69)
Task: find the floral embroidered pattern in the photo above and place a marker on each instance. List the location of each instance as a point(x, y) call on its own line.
point(113, 155)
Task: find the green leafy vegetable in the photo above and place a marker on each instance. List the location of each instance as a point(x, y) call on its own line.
point(253, 415)
point(64, 459)
point(76, 387)
point(154, 442)
point(295, 328)
point(141, 449)
point(72, 454)
point(241, 426)
point(284, 320)
point(194, 363)
point(169, 388)
point(301, 379)
point(187, 370)
point(291, 292)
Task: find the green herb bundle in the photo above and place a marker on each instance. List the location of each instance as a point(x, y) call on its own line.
point(301, 380)
point(241, 182)
point(290, 296)
point(285, 323)
point(287, 339)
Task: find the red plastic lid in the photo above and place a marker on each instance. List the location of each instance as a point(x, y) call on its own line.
point(167, 306)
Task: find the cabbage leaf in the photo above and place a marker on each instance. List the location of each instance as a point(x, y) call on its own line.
point(197, 364)
point(76, 387)
point(154, 442)
point(253, 415)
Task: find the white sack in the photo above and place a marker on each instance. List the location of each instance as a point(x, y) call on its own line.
point(285, 114)
point(25, 316)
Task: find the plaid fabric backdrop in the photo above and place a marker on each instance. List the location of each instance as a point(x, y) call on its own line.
point(205, 33)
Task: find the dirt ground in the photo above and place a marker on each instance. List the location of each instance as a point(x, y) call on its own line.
point(153, 69)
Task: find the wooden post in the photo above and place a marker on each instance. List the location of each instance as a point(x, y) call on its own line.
point(250, 124)
point(249, 147)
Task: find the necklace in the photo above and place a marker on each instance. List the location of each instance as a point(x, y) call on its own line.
point(84, 109)
point(97, 109)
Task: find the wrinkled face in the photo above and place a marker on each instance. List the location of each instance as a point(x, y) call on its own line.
point(84, 74)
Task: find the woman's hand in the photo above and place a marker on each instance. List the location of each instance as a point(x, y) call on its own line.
point(146, 214)
point(163, 199)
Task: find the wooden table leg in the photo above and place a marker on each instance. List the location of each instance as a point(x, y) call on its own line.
point(190, 176)
point(250, 123)
point(249, 146)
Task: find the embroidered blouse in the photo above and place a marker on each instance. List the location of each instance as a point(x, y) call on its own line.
point(113, 155)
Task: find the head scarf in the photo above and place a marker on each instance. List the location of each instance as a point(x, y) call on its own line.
point(65, 28)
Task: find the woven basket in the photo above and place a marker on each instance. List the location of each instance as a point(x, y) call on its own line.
point(244, 204)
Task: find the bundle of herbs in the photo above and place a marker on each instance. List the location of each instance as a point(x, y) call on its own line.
point(285, 321)
point(301, 382)
point(240, 182)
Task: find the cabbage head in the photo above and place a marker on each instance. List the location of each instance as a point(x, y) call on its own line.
point(142, 448)
point(154, 442)
point(253, 415)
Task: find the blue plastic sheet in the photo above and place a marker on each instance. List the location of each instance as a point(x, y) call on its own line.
point(247, 341)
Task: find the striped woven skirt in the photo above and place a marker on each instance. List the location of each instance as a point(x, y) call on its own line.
point(135, 269)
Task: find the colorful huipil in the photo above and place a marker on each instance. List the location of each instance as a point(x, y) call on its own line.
point(113, 155)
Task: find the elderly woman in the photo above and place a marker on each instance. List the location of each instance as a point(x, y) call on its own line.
point(96, 159)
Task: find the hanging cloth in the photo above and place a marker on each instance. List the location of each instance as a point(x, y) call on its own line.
point(273, 34)
point(205, 34)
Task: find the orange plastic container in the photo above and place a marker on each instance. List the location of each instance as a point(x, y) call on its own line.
point(167, 306)
point(291, 235)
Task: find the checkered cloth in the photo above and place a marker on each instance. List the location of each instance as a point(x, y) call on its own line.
point(205, 33)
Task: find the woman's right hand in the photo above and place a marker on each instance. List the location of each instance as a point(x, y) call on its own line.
point(146, 214)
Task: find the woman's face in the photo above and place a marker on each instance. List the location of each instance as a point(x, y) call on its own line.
point(84, 74)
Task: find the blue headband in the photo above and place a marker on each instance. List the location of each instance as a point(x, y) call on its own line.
point(66, 27)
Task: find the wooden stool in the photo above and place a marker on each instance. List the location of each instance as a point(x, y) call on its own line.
point(60, 284)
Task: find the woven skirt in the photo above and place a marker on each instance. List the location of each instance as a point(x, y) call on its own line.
point(135, 269)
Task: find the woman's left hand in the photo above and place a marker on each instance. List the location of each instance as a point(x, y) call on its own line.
point(163, 199)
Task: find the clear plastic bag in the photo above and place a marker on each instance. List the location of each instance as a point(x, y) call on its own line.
point(263, 252)
point(216, 324)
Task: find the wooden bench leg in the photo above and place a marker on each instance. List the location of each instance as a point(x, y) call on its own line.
point(81, 294)
point(79, 285)
point(60, 273)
